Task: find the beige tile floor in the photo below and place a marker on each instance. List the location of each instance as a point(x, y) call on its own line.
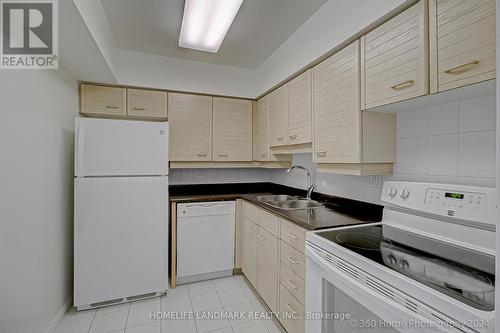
point(197, 301)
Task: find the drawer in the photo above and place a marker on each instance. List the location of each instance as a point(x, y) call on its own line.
point(293, 235)
point(269, 222)
point(293, 283)
point(288, 306)
point(250, 211)
point(293, 259)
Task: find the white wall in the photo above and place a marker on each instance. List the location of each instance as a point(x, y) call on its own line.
point(450, 143)
point(214, 176)
point(36, 197)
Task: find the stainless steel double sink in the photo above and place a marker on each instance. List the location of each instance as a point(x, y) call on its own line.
point(288, 202)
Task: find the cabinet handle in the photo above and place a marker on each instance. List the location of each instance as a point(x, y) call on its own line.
point(403, 85)
point(462, 68)
point(292, 285)
point(138, 109)
point(251, 229)
point(280, 138)
point(201, 154)
point(112, 107)
point(293, 261)
point(222, 155)
point(292, 236)
point(321, 153)
point(293, 137)
point(290, 307)
point(261, 237)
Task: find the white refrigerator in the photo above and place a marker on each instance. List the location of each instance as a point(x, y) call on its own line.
point(121, 211)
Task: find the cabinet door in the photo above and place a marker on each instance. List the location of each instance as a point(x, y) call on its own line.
point(190, 118)
point(262, 123)
point(465, 43)
point(395, 58)
point(268, 269)
point(147, 103)
point(336, 111)
point(278, 113)
point(232, 129)
point(101, 100)
point(299, 109)
point(249, 251)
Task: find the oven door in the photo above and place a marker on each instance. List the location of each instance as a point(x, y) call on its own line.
point(337, 303)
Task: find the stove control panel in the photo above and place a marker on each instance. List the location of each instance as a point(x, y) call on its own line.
point(453, 201)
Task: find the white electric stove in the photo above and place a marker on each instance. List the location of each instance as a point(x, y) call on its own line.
point(429, 266)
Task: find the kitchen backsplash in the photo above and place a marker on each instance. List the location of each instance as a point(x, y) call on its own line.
point(212, 176)
point(450, 143)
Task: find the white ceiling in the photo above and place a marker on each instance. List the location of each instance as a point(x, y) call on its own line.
point(260, 27)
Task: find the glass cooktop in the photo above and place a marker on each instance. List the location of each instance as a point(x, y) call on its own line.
point(464, 274)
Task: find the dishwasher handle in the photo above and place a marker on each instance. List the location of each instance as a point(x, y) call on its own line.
point(202, 209)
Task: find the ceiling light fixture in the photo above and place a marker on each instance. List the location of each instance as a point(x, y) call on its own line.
point(206, 22)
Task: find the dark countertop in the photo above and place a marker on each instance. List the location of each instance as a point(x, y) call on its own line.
point(336, 212)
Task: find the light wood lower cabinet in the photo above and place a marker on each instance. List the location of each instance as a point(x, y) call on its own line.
point(268, 268)
point(273, 260)
point(462, 43)
point(249, 251)
point(190, 127)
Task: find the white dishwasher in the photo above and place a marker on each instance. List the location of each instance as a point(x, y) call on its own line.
point(205, 240)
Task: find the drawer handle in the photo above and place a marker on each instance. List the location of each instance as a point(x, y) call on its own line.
point(222, 155)
point(403, 85)
point(280, 138)
point(138, 109)
point(293, 261)
point(321, 153)
point(291, 284)
point(290, 307)
point(462, 68)
point(293, 137)
point(201, 154)
point(252, 230)
point(112, 107)
point(292, 236)
point(261, 237)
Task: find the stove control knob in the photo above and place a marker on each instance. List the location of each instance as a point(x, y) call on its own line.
point(404, 193)
point(392, 191)
point(392, 259)
point(405, 265)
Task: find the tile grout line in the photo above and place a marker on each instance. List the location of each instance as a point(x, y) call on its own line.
point(92, 323)
point(191, 304)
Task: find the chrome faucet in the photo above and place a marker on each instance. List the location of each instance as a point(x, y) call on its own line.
point(310, 186)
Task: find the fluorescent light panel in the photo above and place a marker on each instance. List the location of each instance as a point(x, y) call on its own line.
point(206, 22)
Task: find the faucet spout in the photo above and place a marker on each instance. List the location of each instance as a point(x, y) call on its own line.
point(310, 186)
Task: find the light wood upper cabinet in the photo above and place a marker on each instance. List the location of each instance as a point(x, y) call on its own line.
point(147, 103)
point(261, 140)
point(190, 118)
point(268, 268)
point(278, 114)
point(346, 139)
point(299, 109)
point(103, 100)
point(462, 42)
point(337, 112)
point(232, 129)
point(395, 58)
point(249, 250)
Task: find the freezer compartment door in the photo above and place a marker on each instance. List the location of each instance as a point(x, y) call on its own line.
point(106, 147)
point(121, 238)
